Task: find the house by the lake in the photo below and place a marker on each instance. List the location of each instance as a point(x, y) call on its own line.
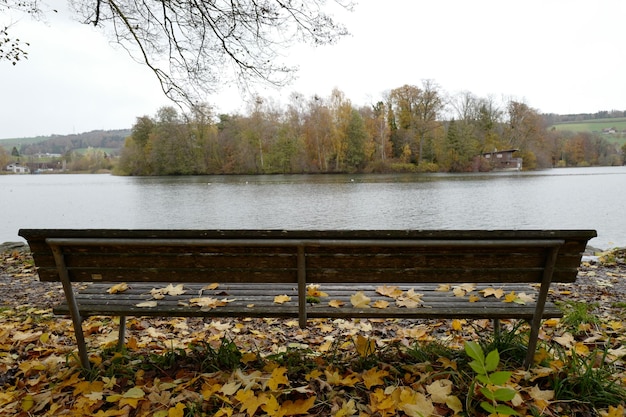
point(16, 168)
point(503, 160)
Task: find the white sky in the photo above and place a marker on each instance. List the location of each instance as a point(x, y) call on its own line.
point(558, 56)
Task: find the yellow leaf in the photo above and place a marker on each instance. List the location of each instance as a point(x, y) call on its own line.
point(439, 390)
point(510, 297)
point(157, 293)
point(174, 290)
point(364, 346)
point(566, 340)
point(538, 394)
point(407, 302)
point(281, 299)
point(360, 300)
point(278, 377)
point(415, 404)
point(474, 298)
point(373, 377)
point(230, 388)
point(389, 291)
point(347, 409)
point(496, 292)
point(616, 411)
point(212, 286)
point(581, 349)
point(292, 408)
point(382, 402)
point(134, 392)
point(27, 402)
point(209, 302)
point(313, 290)
point(447, 363)
point(336, 303)
point(443, 288)
point(457, 324)
point(551, 322)
point(380, 304)
point(95, 396)
point(270, 405)
point(177, 411)
point(458, 292)
point(121, 287)
point(409, 299)
point(461, 290)
point(249, 401)
point(147, 304)
point(523, 298)
point(454, 404)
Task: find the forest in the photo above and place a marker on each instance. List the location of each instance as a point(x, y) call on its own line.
point(413, 129)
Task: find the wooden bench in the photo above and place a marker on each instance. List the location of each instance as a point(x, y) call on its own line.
point(252, 267)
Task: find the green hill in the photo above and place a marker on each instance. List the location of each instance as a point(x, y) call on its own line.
point(112, 140)
point(594, 125)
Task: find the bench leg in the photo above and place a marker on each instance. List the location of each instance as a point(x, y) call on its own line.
point(496, 328)
point(80, 341)
point(532, 343)
point(121, 338)
point(77, 319)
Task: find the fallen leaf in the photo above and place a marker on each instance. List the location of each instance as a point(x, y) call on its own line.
point(212, 286)
point(496, 292)
point(301, 406)
point(313, 290)
point(209, 302)
point(360, 300)
point(336, 303)
point(281, 299)
point(392, 291)
point(510, 297)
point(439, 390)
point(373, 377)
point(382, 304)
point(147, 304)
point(117, 288)
point(364, 346)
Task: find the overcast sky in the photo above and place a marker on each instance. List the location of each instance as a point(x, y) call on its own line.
point(558, 56)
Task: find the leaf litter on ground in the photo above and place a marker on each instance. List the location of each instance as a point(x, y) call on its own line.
point(271, 367)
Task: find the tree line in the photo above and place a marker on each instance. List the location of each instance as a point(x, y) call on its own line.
point(412, 129)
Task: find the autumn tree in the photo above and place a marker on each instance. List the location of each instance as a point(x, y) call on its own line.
point(194, 47)
point(318, 125)
point(403, 101)
point(524, 131)
point(427, 112)
point(4, 158)
point(381, 130)
point(356, 137)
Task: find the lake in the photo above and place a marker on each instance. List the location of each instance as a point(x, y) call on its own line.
point(567, 198)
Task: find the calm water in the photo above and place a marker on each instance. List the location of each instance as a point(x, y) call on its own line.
point(571, 198)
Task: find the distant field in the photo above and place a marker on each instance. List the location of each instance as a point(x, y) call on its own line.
point(593, 125)
point(10, 143)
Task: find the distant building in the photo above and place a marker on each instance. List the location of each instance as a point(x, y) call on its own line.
point(503, 160)
point(16, 168)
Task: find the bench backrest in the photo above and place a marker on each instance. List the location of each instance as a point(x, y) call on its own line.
point(381, 256)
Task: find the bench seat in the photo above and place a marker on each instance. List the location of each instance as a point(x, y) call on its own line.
point(257, 300)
